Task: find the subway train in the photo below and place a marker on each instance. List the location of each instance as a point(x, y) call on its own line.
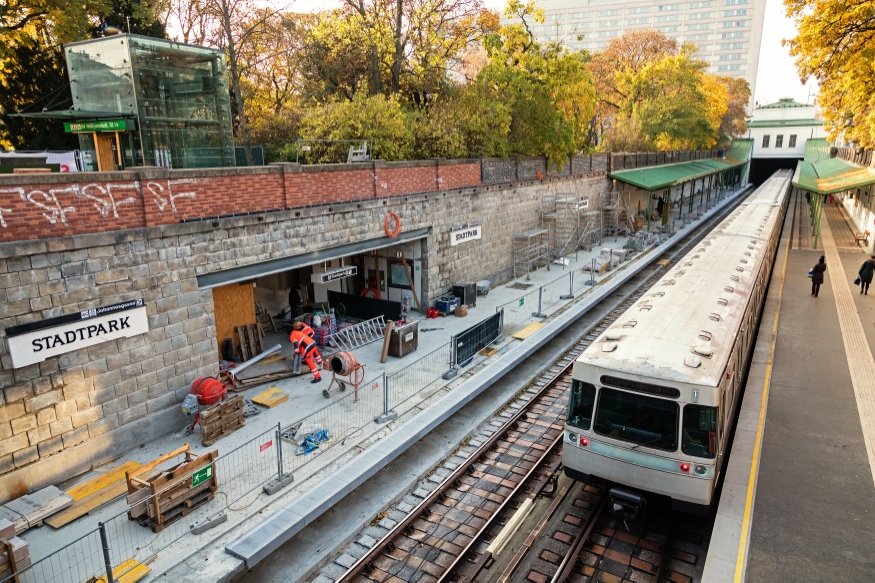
point(654, 397)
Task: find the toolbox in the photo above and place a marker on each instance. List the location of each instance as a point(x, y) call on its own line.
point(404, 339)
point(467, 292)
point(447, 303)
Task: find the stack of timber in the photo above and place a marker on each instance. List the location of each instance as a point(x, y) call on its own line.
point(14, 552)
point(158, 498)
point(93, 493)
point(272, 368)
point(220, 419)
point(30, 511)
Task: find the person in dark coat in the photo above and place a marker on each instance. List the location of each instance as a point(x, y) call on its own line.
point(865, 273)
point(660, 205)
point(295, 301)
point(817, 276)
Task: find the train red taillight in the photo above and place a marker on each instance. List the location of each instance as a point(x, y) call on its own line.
point(685, 467)
point(584, 441)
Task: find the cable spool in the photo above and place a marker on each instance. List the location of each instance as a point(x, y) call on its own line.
point(343, 363)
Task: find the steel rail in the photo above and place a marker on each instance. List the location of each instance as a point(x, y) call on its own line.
point(454, 479)
point(486, 555)
point(570, 559)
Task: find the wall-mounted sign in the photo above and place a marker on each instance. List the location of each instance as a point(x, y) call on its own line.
point(105, 125)
point(464, 233)
point(36, 341)
point(582, 203)
point(334, 275)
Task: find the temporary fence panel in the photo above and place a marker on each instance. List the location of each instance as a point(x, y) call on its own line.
point(412, 379)
point(76, 562)
point(518, 312)
point(476, 338)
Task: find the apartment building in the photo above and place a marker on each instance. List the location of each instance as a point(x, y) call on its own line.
point(727, 32)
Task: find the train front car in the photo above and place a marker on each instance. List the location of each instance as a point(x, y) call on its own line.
point(654, 397)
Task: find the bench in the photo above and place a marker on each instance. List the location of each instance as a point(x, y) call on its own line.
point(864, 237)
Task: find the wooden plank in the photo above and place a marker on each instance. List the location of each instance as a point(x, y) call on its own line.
point(244, 350)
point(528, 330)
point(93, 494)
point(254, 344)
point(153, 464)
point(30, 510)
point(270, 398)
point(488, 351)
point(108, 478)
point(130, 571)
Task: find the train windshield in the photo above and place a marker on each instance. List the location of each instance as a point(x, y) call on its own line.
point(580, 404)
point(700, 431)
point(639, 419)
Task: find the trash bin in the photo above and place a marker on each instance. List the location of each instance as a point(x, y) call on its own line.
point(404, 339)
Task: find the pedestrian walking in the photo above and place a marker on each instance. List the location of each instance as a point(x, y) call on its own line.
point(817, 276)
point(306, 346)
point(867, 270)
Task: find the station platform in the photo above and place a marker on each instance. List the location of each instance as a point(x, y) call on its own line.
point(798, 499)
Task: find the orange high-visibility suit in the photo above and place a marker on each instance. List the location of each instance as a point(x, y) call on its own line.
point(306, 346)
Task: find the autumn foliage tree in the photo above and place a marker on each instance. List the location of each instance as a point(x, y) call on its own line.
point(835, 47)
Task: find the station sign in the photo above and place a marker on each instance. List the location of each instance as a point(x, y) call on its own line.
point(37, 341)
point(334, 275)
point(104, 125)
point(464, 234)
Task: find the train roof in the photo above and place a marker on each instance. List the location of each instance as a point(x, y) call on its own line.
point(683, 328)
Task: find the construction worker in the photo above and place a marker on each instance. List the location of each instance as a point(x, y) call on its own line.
point(301, 327)
point(306, 346)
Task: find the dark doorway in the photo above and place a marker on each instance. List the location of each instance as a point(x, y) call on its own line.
point(762, 168)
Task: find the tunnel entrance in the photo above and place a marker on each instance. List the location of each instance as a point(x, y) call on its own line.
point(762, 168)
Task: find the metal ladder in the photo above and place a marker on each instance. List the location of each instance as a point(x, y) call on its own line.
point(360, 334)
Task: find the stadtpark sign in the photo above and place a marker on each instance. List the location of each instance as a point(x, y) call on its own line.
point(464, 233)
point(37, 341)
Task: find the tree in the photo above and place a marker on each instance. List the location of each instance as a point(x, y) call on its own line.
point(834, 46)
point(549, 91)
point(734, 122)
point(382, 119)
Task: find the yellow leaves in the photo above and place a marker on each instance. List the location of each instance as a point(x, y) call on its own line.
point(836, 46)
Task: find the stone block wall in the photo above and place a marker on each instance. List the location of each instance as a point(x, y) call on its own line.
point(69, 413)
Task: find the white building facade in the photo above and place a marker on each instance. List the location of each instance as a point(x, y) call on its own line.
point(727, 32)
point(781, 130)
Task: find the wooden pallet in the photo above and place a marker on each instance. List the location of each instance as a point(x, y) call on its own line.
point(220, 419)
point(30, 510)
point(158, 498)
point(250, 337)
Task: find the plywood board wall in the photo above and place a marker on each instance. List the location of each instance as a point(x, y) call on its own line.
point(234, 306)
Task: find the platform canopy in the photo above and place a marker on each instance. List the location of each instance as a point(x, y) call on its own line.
point(660, 177)
point(831, 176)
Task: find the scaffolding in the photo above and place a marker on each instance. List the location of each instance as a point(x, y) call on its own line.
point(531, 250)
point(616, 218)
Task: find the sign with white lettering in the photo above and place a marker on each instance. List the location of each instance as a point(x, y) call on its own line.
point(463, 234)
point(329, 276)
point(36, 341)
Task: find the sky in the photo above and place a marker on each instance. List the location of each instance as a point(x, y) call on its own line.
point(776, 74)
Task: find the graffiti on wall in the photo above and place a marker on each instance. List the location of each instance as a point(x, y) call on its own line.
point(106, 198)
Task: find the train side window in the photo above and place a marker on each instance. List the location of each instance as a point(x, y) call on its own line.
point(699, 431)
point(580, 404)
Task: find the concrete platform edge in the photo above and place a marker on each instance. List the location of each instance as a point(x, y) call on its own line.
point(723, 551)
point(264, 538)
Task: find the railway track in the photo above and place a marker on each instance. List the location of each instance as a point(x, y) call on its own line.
point(475, 513)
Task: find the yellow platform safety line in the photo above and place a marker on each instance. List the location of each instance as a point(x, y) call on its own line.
point(528, 330)
point(93, 493)
point(270, 398)
point(130, 571)
point(754, 464)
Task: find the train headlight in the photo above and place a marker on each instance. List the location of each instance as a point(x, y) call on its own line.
point(700, 470)
point(572, 437)
point(685, 467)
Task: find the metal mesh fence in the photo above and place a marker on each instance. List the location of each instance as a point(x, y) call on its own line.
point(518, 312)
point(78, 561)
point(412, 379)
point(476, 338)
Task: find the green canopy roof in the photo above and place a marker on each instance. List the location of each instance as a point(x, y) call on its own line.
point(832, 175)
point(659, 177)
point(816, 149)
